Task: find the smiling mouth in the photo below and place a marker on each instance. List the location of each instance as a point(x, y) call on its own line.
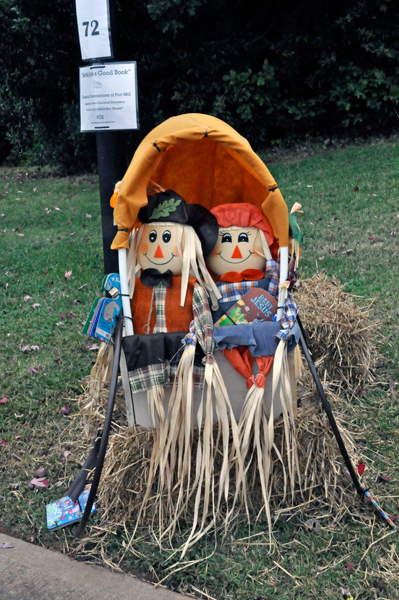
point(158, 263)
point(236, 262)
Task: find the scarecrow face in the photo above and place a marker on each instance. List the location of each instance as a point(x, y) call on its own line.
point(236, 250)
point(158, 249)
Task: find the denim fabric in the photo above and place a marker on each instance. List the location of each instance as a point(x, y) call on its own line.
point(259, 337)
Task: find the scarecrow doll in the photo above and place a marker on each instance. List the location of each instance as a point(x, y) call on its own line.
point(247, 332)
point(172, 345)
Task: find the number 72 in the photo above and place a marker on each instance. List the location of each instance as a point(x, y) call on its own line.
point(93, 25)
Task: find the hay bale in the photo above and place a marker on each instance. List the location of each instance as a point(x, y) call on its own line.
point(342, 337)
point(340, 330)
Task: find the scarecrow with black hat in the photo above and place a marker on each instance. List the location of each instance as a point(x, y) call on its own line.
point(172, 345)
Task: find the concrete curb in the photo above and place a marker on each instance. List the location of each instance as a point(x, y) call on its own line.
point(30, 572)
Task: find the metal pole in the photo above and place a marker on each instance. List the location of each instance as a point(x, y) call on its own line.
point(112, 165)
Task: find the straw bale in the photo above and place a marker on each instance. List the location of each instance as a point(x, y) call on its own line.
point(342, 337)
point(321, 469)
point(340, 328)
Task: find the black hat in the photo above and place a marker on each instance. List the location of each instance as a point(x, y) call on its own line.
point(169, 206)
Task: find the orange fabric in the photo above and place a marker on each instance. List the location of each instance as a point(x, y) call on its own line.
point(241, 359)
point(243, 215)
point(178, 318)
point(207, 162)
point(247, 275)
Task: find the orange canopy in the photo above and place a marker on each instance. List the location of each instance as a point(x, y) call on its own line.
point(205, 161)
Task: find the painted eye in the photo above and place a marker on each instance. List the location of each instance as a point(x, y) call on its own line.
point(226, 237)
point(243, 237)
point(153, 236)
point(166, 236)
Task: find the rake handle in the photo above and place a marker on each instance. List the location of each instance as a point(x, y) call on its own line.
point(106, 428)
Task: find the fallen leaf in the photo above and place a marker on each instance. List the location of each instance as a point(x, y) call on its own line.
point(358, 390)
point(60, 323)
point(384, 478)
point(3, 442)
point(56, 208)
point(36, 305)
point(65, 410)
point(373, 239)
point(375, 195)
point(88, 216)
point(26, 298)
point(348, 251)
point(5, 545)
point(392, 387)
point(313, 524)
point(67, 274)
point(40, 472)
point(39, 482)
point(360, 468)
point(21, 234)
point(3, 400)
point(29, 348)
point(59, 483)
point(32, 370)
point(66, 454)
point(35, 189)
point(356, 189)
point(93, 347)
point(350, 566)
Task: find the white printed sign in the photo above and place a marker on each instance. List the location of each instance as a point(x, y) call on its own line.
point(108, 97)
point(94, 29)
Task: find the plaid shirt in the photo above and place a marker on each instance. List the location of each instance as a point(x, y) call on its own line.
point(231, 292)
point(160, 320)
point(234, 291)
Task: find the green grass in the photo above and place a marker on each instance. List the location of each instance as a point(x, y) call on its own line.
point(348, 196)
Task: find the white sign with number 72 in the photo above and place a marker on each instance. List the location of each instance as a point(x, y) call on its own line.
point(94, 29)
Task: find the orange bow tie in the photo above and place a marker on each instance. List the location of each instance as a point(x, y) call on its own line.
point(247, 275)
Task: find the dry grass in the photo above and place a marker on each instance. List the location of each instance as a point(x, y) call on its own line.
point(343, 341)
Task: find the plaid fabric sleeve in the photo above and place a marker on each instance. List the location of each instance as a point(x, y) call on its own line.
point(289, 318)
point(273, 271)
point(163, 374)
point(203, 324)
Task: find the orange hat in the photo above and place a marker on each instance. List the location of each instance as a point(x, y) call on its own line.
point(243, 215)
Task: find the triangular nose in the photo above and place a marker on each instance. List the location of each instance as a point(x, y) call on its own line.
point(158, 252)
point(236, 253)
